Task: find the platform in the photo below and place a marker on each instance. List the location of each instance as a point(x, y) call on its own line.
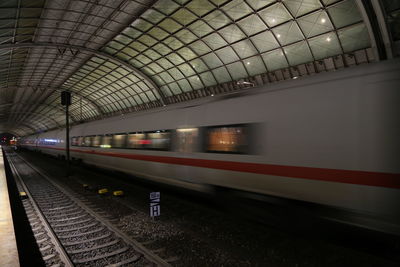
point(8, 244)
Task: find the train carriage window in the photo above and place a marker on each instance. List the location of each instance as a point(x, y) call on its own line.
point(227, 139)
point(87, 141)
point(106, 141)
point(74, 141)
point(187, 139)
point(159, 140)
point(118, 140)
point(96, 141)
point(136, 140)
point(80, 141)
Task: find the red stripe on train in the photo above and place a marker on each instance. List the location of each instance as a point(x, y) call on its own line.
point(391, 180)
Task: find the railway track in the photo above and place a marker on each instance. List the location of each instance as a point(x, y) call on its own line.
point(67, 231)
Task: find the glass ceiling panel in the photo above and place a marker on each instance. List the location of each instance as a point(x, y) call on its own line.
point(237, 9)
point(315, 23)
point(257, 4)
point(298, 53)
point(275, 14)
point(183, 45)
point(217, 19)
point(252, 25)
point(354, 37)
point(288, 33)
point(245, 48)
point(237, 70)
point(227, 55)
point(275, 60)
point(222, 75)
point(111, 84)
point(255, 65)
point(301, 7)
point(200, 7)
point(184, 16)
point(344, 13)
point(325, 45)
point(264, 41)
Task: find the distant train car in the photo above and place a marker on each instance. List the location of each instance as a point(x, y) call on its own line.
point(331, 139)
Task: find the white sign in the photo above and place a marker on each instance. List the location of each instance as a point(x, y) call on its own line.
point(155, 209)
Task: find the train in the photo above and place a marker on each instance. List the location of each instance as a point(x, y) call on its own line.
point(330, 139)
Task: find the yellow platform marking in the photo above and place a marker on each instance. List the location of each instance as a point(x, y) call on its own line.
point(103, 191)
point(118, 193)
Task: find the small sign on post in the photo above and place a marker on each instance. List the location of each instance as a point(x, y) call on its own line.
point(155, 209)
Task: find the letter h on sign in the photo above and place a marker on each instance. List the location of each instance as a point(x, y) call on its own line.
point(155, 204)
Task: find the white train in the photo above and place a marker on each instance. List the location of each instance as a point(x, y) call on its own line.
point(331, 139)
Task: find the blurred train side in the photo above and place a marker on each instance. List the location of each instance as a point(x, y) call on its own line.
point(343, 120)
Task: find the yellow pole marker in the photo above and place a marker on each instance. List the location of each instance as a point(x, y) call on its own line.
point(103, 191)
point(23, 195)
point(118, 193)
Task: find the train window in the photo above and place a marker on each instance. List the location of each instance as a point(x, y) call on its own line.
point(227, 139)
point(96, 141)
point(87, 141)
point(159, 140)
point(186, 139)
point(80, 141)
point(118, 140)
point(74, 141)
point(137, 140)
point(106, 141)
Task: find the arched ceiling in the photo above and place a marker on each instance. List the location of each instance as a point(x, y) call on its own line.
point(128, 55)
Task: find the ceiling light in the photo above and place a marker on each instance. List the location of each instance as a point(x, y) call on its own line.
point(243, 82)
point(278, 35)
point(328, 39)
point(323, 20)
point(248, 63)
point(273, 20)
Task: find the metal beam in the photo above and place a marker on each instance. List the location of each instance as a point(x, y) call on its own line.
point(380, 17)
point(56, 89)
point(369, 16)
point(37, 114)
point(94, 52)
point(29, 127)
point(41, 104)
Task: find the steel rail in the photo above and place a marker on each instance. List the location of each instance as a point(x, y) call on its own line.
point(53, 237)
point(149, 255)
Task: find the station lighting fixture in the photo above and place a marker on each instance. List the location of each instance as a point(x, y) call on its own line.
point(243, 82)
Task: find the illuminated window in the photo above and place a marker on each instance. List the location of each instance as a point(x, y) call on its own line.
point(158, 140)
point(74, 141)
point(106, 141)
point(118, 140)
point(87, 141)
point(80, 141)
point(96, 141)
point(187, 139)
point(227, 139)
point(136, 140)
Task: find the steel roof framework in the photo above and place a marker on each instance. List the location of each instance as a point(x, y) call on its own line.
point(123, 56)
